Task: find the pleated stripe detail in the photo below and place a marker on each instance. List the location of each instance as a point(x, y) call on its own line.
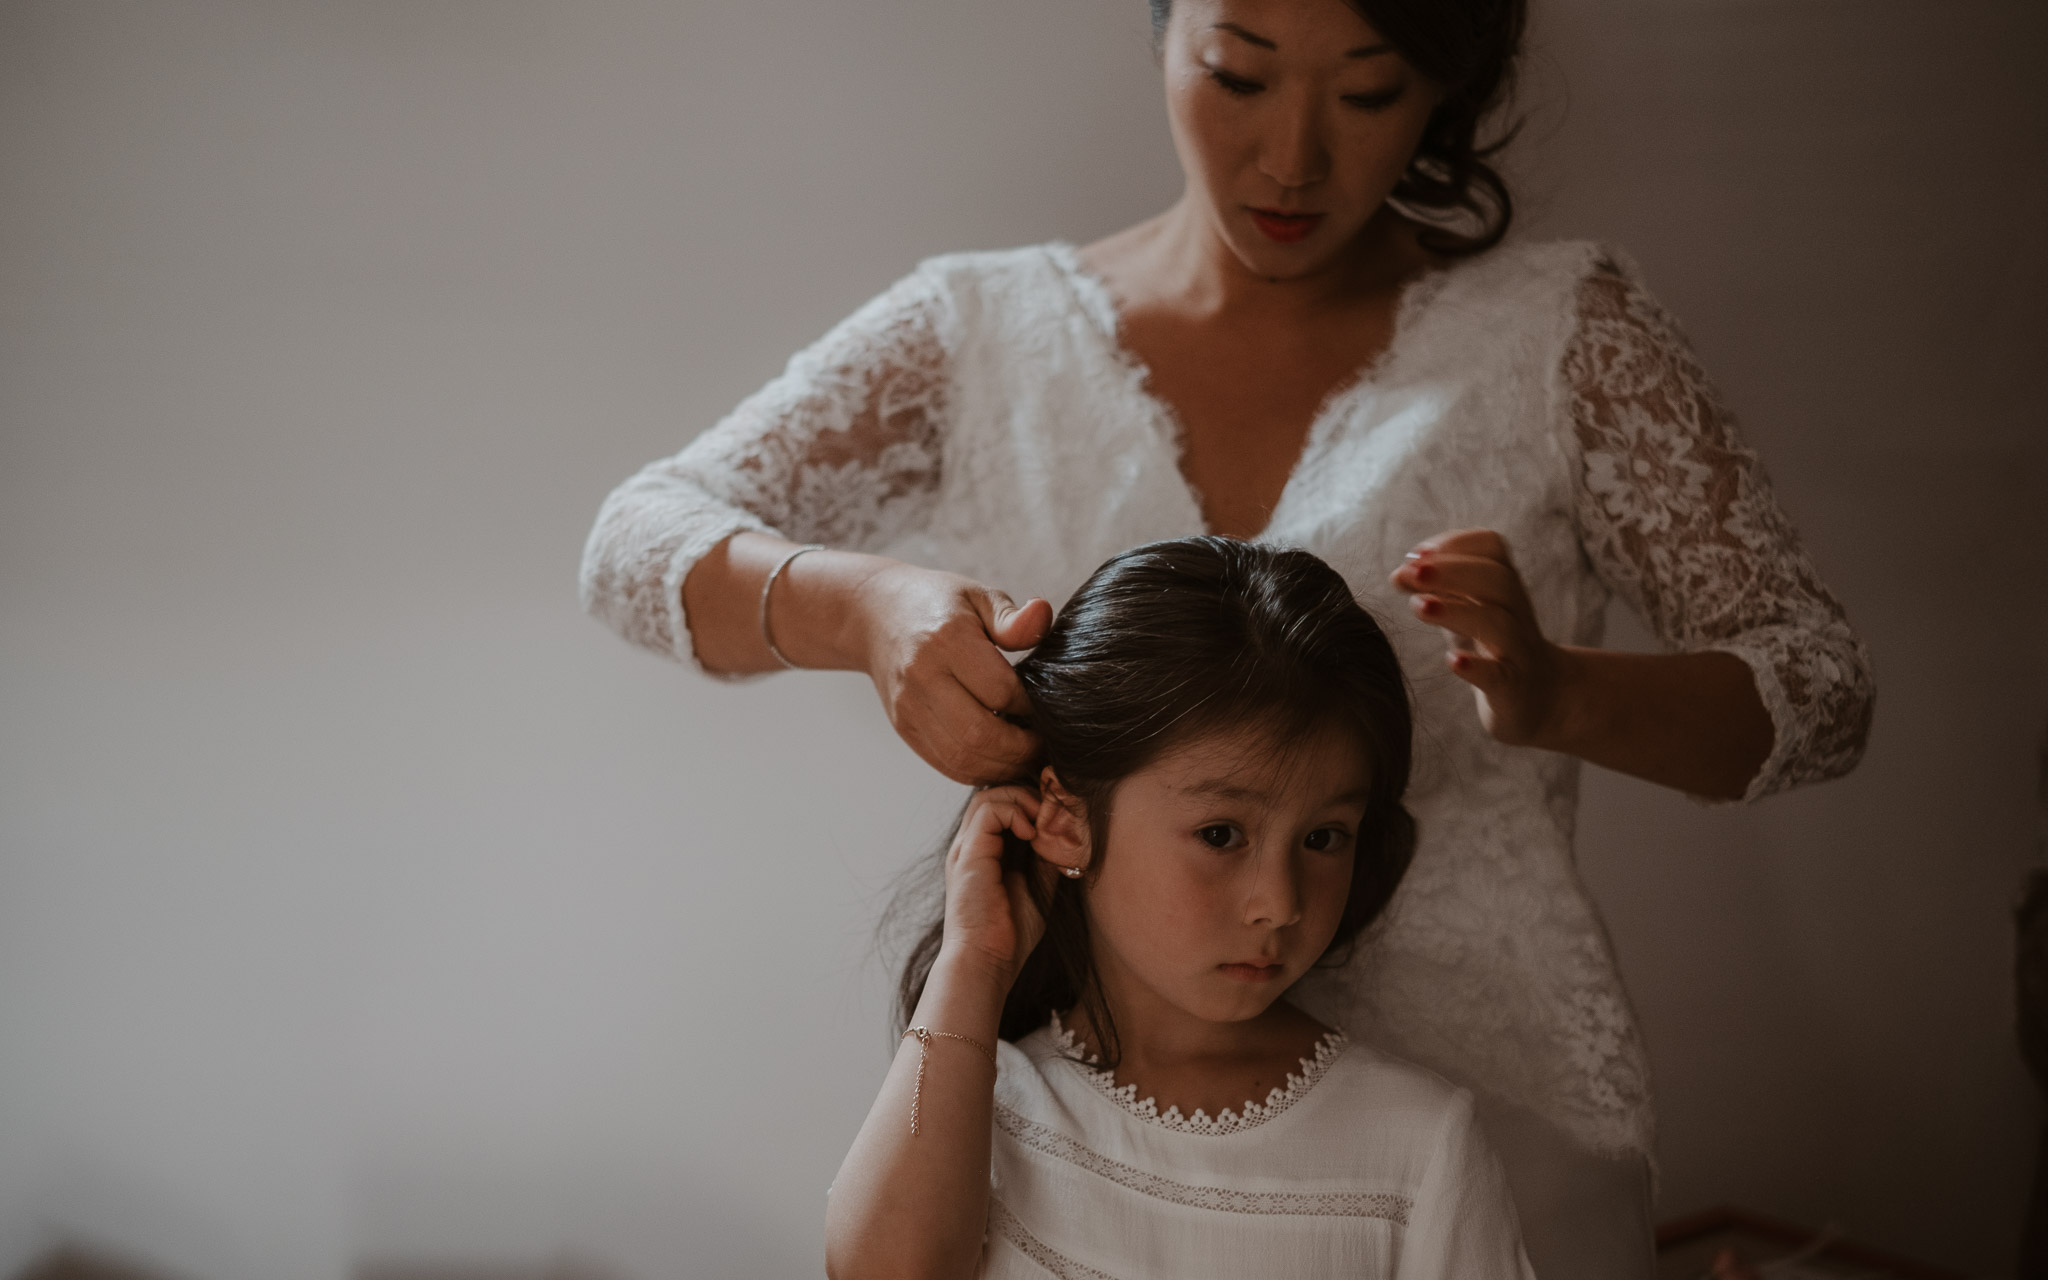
point(1037, 1250)
point(1385, 1205)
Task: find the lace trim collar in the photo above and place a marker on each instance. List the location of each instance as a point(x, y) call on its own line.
point(1200, 1123)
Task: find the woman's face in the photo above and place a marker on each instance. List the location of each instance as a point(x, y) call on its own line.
point(1293, 120)
point(1225, 871)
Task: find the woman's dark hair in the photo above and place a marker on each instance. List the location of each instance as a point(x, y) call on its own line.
point(1469, 47)
point(1164, 643)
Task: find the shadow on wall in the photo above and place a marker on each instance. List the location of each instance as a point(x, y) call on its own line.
point(73, 1262)
point(566, 1269)
point(77, 1262)
point(504, 1214)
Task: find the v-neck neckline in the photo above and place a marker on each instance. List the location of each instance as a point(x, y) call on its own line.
point(1098, 301)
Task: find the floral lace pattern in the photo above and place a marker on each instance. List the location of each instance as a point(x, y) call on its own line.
point(1678, 519)
point(1224, 1122)
point(843, 448)
point(1389, 1206)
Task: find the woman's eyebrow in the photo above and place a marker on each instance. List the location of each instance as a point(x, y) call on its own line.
point(1246, 36)
point(1252, 37)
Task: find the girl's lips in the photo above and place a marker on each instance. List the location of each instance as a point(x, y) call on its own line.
point(1286, 228)
point(1253, 972)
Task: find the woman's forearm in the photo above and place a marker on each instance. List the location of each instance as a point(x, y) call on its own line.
point(914, 1206)
point(1693, 721)
point(813, 611)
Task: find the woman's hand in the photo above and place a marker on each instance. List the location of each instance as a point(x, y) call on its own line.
point(1465, 583)
point(933, 646)
point(990, 917)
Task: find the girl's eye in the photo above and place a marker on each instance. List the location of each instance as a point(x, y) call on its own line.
point(1218, 835)
point(1327, 839)
point(1376, 101)
point(1237, 86)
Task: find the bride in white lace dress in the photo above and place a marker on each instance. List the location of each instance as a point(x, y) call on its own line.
point(1324, 343)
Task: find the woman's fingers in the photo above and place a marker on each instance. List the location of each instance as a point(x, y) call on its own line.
point(1474, 577)
point(980, 666)
point(1466, 583)
point(961, 687)
point(931, 648)
point(1466, 542)
point(990, 746)
point(958, 735)
point(1009, 625)
point(1490, 625)
point(1488, 675)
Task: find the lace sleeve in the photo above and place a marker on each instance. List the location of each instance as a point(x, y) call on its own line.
point(842, 448)
point(1677, 517)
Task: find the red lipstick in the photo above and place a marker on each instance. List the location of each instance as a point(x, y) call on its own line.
point(1286, 228)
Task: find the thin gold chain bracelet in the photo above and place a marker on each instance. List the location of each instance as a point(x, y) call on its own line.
point(925, 1036)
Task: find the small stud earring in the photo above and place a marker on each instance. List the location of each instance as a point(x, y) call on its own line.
point(1071, 873)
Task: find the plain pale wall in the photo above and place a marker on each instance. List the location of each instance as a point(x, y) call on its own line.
point(361, 899)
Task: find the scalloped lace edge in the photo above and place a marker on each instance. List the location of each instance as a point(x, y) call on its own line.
point(1201, 1122)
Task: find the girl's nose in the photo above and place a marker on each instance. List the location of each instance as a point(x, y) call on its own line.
point(1275, 900)
point(1295, 152)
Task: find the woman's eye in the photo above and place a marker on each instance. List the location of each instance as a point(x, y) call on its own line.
point(1375, 101)
point(1236, 85)
point(1327, 840)
point(1218, 835)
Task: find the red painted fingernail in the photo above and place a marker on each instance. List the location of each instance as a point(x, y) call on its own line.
point(1424, 572)
point(1430, 605)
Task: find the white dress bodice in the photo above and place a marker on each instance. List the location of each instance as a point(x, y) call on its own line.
point(982, 416)
point(1361, 1166)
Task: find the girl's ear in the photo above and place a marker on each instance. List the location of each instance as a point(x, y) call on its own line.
point(1062, 825)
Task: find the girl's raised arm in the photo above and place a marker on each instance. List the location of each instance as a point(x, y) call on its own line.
point(911, 1199)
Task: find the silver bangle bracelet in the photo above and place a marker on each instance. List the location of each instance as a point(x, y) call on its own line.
point(768, 585)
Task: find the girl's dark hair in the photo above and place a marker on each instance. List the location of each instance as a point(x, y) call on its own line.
point(1469, 47)
point(1166, 642)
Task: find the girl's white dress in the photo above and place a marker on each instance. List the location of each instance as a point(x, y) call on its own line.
point(982, 416)
point(1362, 1166)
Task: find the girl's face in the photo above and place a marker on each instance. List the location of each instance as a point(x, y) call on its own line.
point(1293, 120)
point(1225, 872)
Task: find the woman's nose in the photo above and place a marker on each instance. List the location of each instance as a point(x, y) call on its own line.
point(1294, 152)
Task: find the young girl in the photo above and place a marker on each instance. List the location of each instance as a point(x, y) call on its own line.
point(1100, 1075)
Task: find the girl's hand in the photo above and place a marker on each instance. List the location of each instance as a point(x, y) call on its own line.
point(1465, 583)
point(932, 643)
point(990, 918)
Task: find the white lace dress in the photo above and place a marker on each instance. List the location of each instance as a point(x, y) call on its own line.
point(982, 416)
point(1362, 1167)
